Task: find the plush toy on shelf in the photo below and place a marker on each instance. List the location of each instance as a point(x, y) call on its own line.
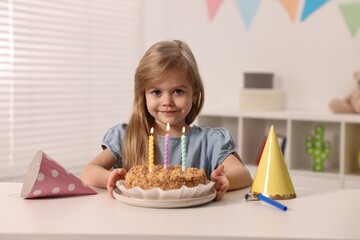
point(351, 103)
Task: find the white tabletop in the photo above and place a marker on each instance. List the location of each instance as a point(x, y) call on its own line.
point(325, 214)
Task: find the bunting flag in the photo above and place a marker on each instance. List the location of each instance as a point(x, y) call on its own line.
point(311, 6)
point(248, 9)
point(213, 6)
point(291, 6)
point(351, 14)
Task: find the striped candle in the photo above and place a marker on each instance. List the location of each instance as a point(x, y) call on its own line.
point(183, 150)
point(151, 150)
point(167, 138)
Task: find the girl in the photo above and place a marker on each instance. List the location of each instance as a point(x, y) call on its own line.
point(168, 89)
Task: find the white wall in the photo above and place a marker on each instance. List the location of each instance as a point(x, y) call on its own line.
point(313, 60)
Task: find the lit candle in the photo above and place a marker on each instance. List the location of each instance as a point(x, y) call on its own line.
point(151, 150)
point(183, 150)
point(167, 138)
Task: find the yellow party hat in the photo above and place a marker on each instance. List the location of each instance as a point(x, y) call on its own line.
point(272, 178)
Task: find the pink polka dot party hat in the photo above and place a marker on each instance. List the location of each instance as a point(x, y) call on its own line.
point(47, 178)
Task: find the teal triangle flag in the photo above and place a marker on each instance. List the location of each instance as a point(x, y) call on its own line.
point(310, 7)
point(248, 9)
point(351, 14)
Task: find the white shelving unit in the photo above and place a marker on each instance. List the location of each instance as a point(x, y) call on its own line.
point(341, 130)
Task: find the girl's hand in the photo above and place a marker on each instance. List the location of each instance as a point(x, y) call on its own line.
point(221, 182)
point(114, 176)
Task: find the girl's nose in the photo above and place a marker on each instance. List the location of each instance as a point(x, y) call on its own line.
point(167, 100)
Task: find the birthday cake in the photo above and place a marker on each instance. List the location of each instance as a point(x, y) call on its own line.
point(171, 178)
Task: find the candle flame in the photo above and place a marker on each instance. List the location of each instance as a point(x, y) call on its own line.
point(183, 130)
point(152, 130)
point(167, 127)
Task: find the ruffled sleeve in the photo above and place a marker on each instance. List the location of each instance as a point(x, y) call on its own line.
point(221, 145)
point(113, 140)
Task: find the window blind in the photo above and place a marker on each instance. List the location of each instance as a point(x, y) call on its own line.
point(66, 77)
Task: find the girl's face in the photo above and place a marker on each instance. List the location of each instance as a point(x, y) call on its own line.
point(169, 100)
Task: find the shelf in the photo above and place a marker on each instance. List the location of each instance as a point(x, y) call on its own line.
point(352, 148)
point(256, 130)
point(342, 131)
point(351, 181)
point(302, 115)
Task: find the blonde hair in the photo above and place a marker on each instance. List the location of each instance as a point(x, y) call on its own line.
point(157, 61)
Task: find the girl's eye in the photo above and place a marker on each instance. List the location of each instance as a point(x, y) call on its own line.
point(178, 91)
point(156, 92)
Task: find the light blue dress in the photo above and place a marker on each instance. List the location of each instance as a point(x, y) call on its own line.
point(206, 147)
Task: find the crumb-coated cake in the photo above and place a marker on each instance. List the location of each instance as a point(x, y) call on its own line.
point(172, 178)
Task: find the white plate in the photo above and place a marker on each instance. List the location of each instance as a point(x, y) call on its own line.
point(158, 194)
point(164, 203)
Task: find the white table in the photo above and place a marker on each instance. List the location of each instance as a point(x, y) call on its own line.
point(326, 214)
